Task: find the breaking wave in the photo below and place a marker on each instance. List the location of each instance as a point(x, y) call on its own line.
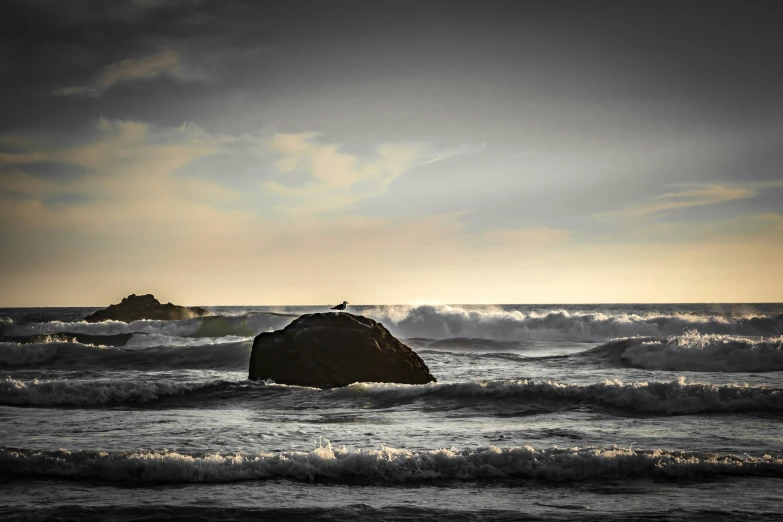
point(384, 465)
point(428, 322)
point(439, 322)
point(674, 397)
point(73, 392)
point(697, 352)
point(64, 337)
point(662, 398)
point(16, 354)
point(148, 352)
point(247, 325)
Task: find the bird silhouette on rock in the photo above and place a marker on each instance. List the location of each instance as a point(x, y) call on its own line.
point(340, 306)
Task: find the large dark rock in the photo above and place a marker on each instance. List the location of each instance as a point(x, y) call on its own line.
point(136, 307)
point(332, 350)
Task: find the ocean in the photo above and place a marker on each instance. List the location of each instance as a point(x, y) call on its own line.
point(556, 412)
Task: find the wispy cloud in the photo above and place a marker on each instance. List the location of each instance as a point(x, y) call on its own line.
point(335, 178)
point(166, 62)
point(445, 154)
point(297, 173)
point(127, 175)
point(130, 218)
point(687, 198)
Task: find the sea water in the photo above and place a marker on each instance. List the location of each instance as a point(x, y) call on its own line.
point(589, 412)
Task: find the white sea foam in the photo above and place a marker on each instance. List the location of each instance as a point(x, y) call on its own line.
point(212, 326)
point(674, 397)
point(693, 351)
point(667, 398)
point(46, 348)
point(174, 328)
point(75, 392)
point(223, 352)
point(384, 464)
point(442, 321)
point(153, 340)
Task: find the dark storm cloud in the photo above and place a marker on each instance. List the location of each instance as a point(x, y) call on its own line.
point(551, 75)
point(718, 56)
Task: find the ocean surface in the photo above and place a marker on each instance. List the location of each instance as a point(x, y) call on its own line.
point(588, 412)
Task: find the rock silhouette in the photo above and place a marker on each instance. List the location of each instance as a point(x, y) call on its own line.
point(331, 350)
point(137, 307)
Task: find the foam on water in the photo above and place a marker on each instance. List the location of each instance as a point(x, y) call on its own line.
point(154, 340)
point(698, 352)
point(667, 398)
point(124, 392)
point(385, 464)
point(77, 392)
point(142, 352)
point(246, 325)
point(442, 321)
point(673, 397)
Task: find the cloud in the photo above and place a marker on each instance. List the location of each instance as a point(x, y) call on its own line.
point(295, 173)
point(129, 218)
point(694, 197)
point(334, 178)
point(126, 178)
point(130, 221)
point(457, 151)
point(166, 62)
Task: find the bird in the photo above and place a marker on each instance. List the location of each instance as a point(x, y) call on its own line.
point(341, 306)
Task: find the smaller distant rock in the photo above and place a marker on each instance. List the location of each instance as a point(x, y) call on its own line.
point(137, 307)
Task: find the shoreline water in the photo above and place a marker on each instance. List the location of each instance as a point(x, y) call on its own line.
point(540, 413)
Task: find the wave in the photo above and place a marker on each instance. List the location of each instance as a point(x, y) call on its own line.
point(147, 353)
point(247, 325)
point(158, 340)
point(673, 397)
point(484, 355)
point(65, 337)
point(79, 393)
point(16, 354)
point(435, 322)
point(661, 398)
point(383, 465)
point(468, 344)
point(362, 511)
point(697, 352)
point(441, 321)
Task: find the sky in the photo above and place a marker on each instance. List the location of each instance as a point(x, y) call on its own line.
point(309, 152)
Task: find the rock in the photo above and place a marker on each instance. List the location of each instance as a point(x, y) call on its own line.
point(136, 307)
point(335, 349)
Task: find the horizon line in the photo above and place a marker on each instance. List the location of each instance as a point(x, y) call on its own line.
point(585, 303)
